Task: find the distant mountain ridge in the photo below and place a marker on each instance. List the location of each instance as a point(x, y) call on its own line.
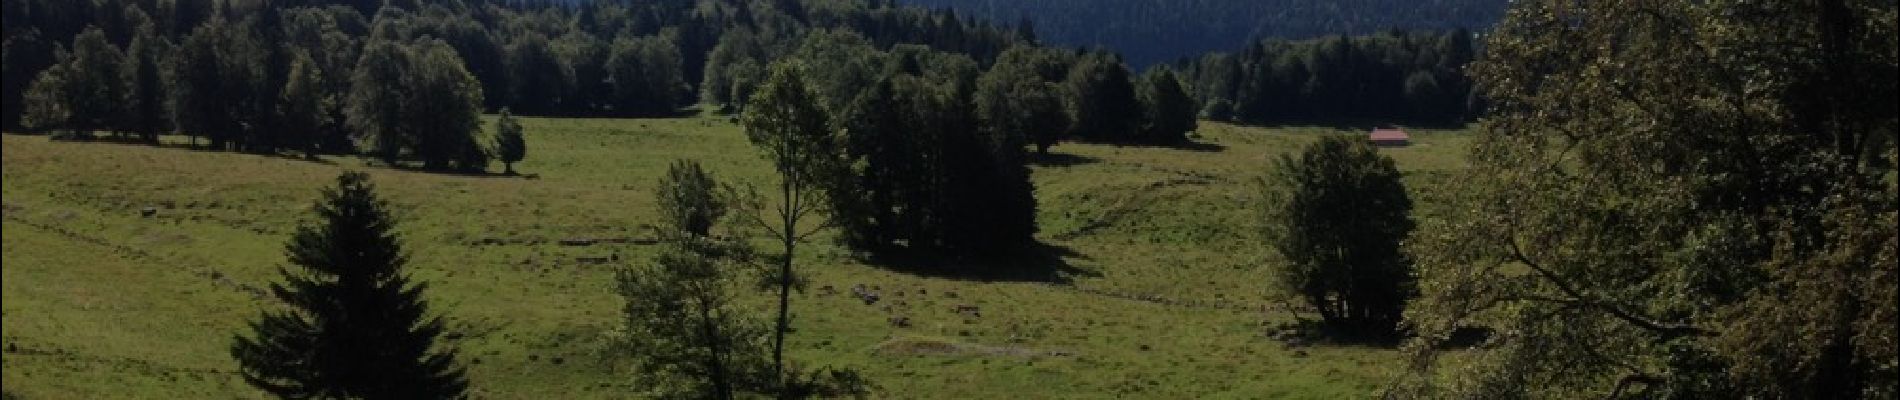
point(1147, 32)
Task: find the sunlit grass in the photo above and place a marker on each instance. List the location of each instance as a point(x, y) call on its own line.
point(1166, 297)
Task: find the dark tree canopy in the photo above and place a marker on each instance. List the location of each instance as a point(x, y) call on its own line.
point(354, 326)
point(1169, 112)
point(1336, 214)
point(1103, 106)
point(1673, 199)
point(1151, 32)
point(1389, 77)
point(417, 100)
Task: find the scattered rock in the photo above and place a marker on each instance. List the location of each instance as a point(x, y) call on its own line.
point(870, 297)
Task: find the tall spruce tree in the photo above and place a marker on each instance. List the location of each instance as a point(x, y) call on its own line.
point(356, 327)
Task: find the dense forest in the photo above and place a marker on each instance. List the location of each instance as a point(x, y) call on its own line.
point(1415, 77)
point(1152, 32)
point(937, 110)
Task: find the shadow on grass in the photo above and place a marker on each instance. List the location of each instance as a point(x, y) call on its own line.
point(1307, 332)
point(1060, 159)
point(1200, 147)
point(1040, 263)
point(1189, 145)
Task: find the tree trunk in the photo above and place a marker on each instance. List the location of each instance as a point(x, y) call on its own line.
point(716, 363)
point(788, 215)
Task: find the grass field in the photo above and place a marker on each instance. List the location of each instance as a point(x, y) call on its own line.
point(1162, 290)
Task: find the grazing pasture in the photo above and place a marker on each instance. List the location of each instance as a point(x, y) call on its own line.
point(128, 269)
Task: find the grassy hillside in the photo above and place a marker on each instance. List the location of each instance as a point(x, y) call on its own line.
point(1158, 287)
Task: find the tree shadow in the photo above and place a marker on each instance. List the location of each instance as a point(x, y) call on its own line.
point(1199, 147)
point(408, 167)
point(1308, 332)
point(1060, 159)
point(1039, 263)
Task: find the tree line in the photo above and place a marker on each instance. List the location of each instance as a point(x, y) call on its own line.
point(1152, 33)
point(1412, 77)
point(407, 79)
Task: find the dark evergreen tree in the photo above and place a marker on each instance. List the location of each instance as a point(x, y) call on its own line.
point(23, 56)
point(145, 84)
point(1390, 77)
point(355, 326)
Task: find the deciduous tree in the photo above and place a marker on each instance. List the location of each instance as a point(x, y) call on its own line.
point(1336, 214)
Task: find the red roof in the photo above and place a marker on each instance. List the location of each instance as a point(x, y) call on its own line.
point(1389, 134)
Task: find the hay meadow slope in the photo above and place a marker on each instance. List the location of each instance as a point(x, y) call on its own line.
point(1156, 285)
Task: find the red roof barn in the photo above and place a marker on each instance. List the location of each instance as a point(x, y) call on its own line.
point(1393, 137)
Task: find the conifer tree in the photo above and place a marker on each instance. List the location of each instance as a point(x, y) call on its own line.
point(356, 327)
point(508, 142)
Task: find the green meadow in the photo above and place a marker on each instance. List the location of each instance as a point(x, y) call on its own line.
point(1156, 283)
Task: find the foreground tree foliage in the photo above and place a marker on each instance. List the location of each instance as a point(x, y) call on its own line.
point(1674, 199)
point(682, 327)
point(788, 124)
point(1337, 213)
point(356, 327)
